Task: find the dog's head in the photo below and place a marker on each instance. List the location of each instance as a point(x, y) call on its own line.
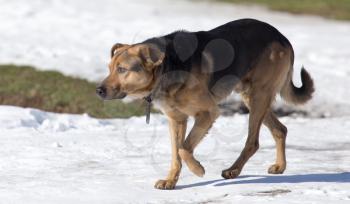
point(131, 71)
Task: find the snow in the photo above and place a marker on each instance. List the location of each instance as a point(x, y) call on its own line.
point(56, 158)
point(62, 158)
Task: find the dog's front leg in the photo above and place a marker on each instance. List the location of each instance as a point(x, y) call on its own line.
point(202, 124)
point(177, 131)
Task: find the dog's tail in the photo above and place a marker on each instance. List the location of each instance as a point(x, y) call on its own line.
point(296, 95)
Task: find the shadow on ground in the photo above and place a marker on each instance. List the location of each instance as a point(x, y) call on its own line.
point(257, 179)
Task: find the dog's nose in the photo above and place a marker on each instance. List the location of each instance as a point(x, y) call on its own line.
point(101, 91)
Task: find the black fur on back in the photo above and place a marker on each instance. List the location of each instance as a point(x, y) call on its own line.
point(229, 50)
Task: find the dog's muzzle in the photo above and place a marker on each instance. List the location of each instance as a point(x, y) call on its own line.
point(101, 91)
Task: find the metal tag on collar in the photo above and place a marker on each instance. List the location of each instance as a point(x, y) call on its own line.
point(148, 100)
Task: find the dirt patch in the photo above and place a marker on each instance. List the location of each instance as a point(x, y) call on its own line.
point(52, 91)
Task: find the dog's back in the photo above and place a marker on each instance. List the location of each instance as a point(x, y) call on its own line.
point(249, 38)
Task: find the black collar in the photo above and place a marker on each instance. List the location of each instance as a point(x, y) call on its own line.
point(157, 85)
point(148, 100)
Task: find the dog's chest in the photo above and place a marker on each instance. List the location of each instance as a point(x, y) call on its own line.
point(186, 101)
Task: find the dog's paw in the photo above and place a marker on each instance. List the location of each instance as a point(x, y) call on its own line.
point(165, 184)
point(230, 173)
point(192, 163)
point(196, 168)
point(276, 169)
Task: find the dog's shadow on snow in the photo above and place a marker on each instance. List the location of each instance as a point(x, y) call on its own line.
point(259, 179)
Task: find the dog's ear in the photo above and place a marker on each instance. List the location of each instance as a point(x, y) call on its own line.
point(151, 55)
point(115, 48)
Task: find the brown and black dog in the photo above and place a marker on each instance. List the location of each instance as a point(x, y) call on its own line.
point(189, 73)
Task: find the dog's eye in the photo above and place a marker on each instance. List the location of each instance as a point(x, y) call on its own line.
point(136, 68)
point(121, 70)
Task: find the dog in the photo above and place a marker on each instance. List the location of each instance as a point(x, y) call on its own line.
point(187, 74)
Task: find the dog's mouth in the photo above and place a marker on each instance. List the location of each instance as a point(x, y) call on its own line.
point(105, 96)
point(120, 95)
point(116, 96)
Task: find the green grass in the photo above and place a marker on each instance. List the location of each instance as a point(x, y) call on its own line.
point(335, 9)
point(52, 91)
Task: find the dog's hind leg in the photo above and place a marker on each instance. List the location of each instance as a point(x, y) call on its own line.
point(203, 122)
point(279, 133)
point(177, 125)
point(258, 103)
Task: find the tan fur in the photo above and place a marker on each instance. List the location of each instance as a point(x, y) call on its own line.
point(258, 90)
